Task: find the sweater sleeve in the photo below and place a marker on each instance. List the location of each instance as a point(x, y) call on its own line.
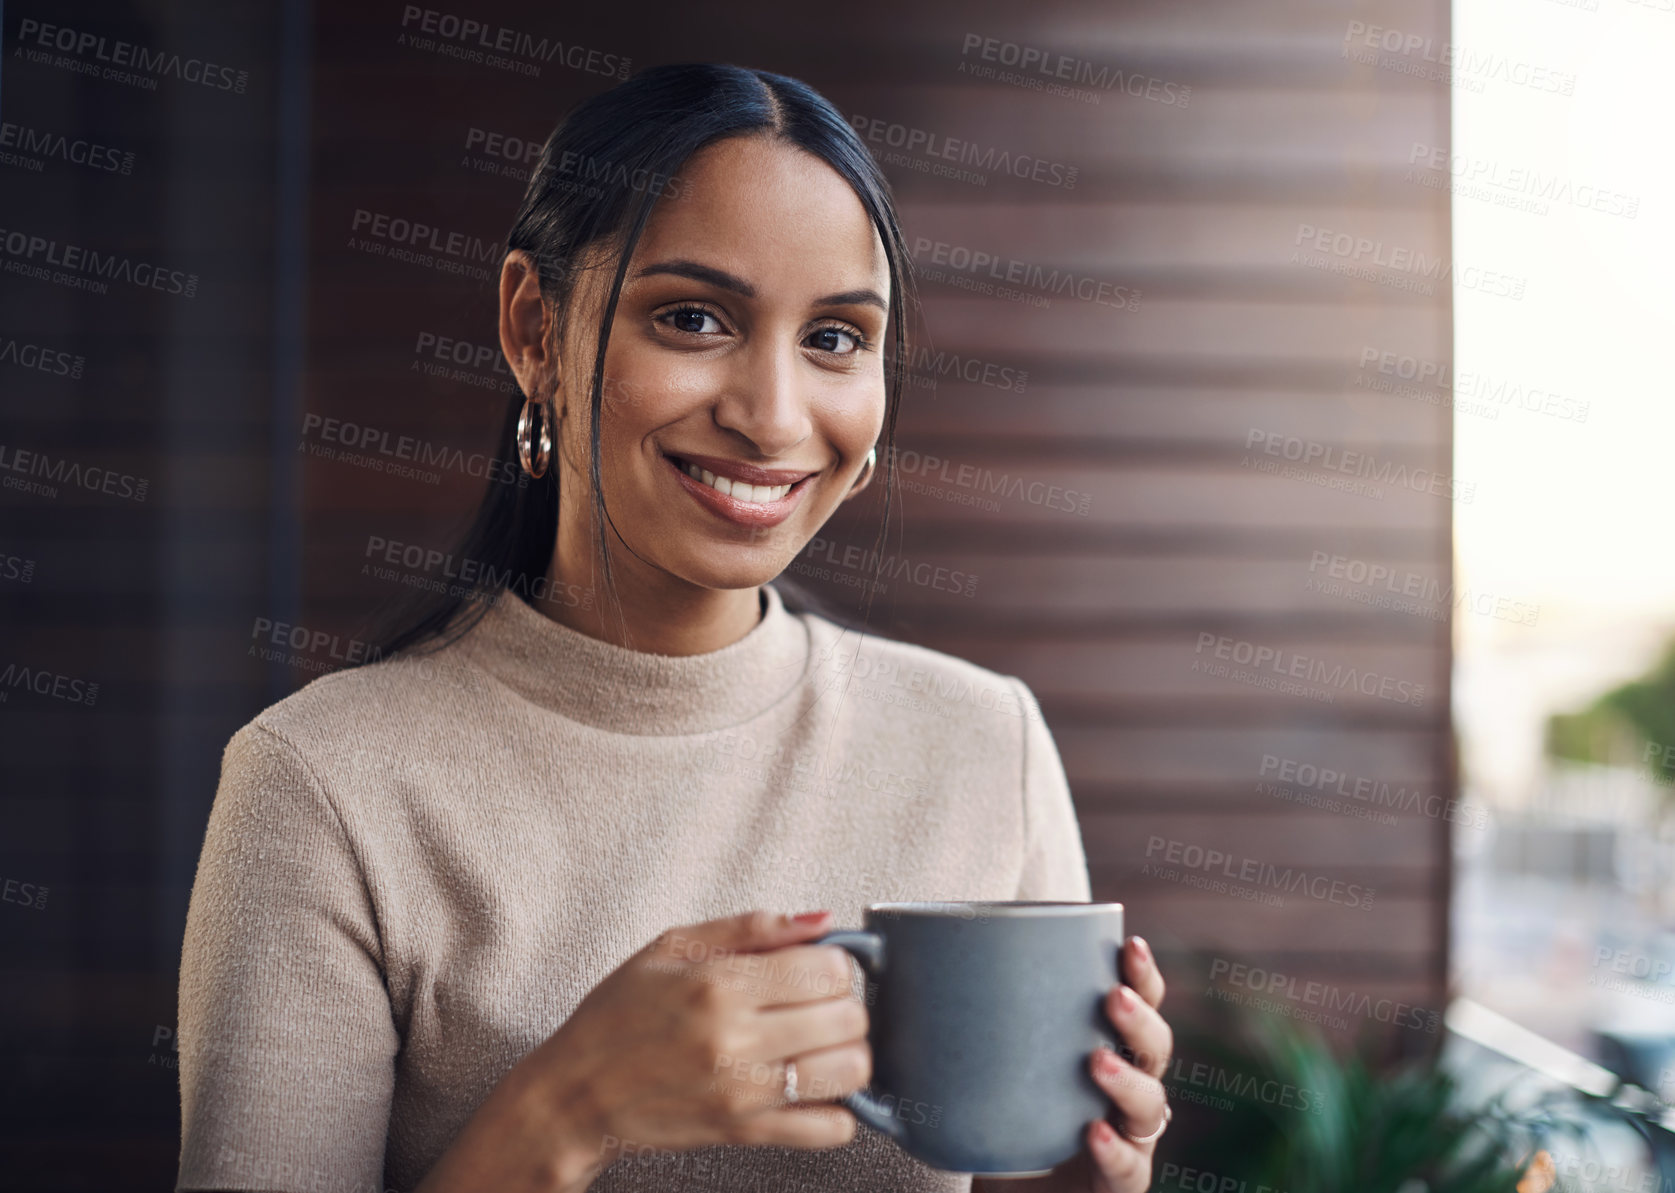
point(1055, 867)
point(287, 1045)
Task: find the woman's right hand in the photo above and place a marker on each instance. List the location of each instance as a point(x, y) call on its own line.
point(682, 1045)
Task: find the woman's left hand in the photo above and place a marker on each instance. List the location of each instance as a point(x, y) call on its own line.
point(1112, 1162)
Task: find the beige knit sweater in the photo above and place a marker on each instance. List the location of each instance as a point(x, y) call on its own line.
point(415, 870)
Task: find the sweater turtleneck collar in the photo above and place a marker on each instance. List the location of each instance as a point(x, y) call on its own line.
point(635, 692)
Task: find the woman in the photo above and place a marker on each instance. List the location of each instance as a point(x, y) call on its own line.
point(470, 917)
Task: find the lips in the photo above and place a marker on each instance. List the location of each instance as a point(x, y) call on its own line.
point(738, 490)
point(750, 474)
point(740, 493)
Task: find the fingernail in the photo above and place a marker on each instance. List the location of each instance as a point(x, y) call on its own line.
point(1109, 1061)
point(1126, 999)
point(1142, 948)
point(809, 917)
point(1103, 1132)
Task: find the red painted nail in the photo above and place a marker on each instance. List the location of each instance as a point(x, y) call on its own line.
point(1102, 1130)
point(810, 917)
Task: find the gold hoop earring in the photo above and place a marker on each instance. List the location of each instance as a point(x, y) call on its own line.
point(535, 448)
point(872, 462)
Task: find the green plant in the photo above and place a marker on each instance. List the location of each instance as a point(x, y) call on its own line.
point(1403, 1129)
point(1632, 724)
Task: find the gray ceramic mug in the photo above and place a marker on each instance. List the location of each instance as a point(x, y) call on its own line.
point(982, 1018)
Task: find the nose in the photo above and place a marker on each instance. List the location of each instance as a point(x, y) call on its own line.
point(763, 398)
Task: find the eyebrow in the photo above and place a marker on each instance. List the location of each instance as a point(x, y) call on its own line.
point(723, 280)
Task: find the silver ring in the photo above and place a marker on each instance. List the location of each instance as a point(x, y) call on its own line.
point(1168, 1113)
point(790, 1081)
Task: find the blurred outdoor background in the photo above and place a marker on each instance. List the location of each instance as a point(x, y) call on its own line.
point(1289, 400)
point(1564, 912)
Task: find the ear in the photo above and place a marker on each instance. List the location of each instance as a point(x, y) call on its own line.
point(525, 324)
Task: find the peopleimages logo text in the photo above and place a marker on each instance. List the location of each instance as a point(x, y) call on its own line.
point(63, 471)
point(25, 249)
point(43, 143)
point(1468, 61)
point(1289, 663)
point(1054, 281)
point(480, 38)
point(419, 235)
point(1332, 458)
point(1378, 792)
point(1473, 388)
point(1325, 995)
point(1357, 256)
point(380, 442)
point(966, 153)
point(117, 52)
point(1372, 575)
point(1064, 68)
point(1289, 879)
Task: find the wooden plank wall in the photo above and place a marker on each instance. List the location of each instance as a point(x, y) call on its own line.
point(1189, 551)
point(145, 589)
point(1253, 199)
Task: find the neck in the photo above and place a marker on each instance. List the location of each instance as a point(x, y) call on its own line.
point(658, 613)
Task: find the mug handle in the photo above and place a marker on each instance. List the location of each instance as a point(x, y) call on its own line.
point(868, 949)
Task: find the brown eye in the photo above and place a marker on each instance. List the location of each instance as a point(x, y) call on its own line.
point(832, 339)
point(694, 320)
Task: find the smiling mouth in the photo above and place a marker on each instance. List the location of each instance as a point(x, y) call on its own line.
point(738, 490)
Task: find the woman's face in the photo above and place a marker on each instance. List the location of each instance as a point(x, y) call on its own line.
point(747, 348)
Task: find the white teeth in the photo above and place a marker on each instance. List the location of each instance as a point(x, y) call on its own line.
point(738, 490)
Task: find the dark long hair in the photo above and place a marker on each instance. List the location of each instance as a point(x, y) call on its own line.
point(600, 173)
